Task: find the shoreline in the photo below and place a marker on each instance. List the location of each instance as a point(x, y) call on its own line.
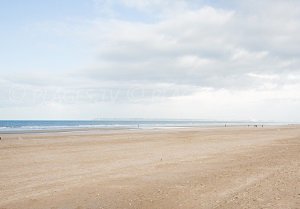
point(120, 128)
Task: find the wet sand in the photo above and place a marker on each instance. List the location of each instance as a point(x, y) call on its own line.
point(233, 167)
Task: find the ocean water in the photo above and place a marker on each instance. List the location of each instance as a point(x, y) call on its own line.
point(44, 125)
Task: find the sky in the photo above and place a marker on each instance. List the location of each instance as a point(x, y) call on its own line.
point(151, 59)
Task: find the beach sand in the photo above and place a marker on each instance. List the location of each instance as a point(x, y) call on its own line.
point(233, 167)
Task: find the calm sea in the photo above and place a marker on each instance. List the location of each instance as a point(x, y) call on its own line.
point(32, 125)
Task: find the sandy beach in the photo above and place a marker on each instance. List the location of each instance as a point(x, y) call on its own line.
point(233, 167)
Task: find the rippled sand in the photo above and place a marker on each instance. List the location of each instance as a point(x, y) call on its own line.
point(234, 167)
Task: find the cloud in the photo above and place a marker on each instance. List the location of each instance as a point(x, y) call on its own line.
point(201, 45)
point(204, 46)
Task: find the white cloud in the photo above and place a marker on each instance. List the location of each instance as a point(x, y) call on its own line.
point(264, 76)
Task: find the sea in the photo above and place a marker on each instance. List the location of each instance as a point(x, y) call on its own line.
point(7, 126)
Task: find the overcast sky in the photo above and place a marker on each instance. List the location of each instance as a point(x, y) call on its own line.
point(188, 59)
